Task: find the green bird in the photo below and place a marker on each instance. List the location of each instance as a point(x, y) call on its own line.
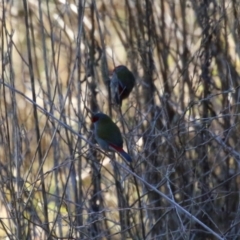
point(122, 83)
point(108, 135)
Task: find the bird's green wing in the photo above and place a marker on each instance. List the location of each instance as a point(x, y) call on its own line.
point(126, 78)
point(110, 132)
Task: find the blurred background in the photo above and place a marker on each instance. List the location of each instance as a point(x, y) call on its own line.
point(180, 123)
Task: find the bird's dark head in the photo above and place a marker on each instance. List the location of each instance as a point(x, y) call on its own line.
point(119, 68)
point(116, 69)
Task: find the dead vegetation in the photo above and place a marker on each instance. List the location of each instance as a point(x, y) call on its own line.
point(180, 123)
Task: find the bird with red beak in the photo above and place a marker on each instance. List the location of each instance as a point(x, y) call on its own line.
point(108, 135)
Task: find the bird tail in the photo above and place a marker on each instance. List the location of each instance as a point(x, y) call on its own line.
point(121, 152)
point(125, 156)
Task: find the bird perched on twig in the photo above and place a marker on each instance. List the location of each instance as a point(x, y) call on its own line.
point(121, 84)
point(108, 135)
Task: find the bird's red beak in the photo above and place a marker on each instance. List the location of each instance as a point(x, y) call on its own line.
point(94, 119)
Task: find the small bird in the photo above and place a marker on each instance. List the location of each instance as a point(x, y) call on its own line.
point(108, 135)
point(122, 83)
